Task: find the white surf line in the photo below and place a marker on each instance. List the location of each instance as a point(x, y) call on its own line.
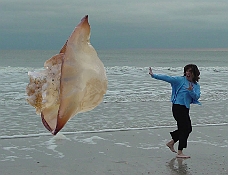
point(104, 130)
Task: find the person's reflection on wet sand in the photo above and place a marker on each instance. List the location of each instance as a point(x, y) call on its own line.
point(177, 167)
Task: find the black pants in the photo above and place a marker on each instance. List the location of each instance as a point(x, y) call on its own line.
point(184, 126)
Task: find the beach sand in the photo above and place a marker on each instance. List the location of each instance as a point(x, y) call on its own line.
point(133, 152)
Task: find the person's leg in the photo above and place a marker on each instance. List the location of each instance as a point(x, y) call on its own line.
point(174, 134)
point(184, 128)
point(181, 115)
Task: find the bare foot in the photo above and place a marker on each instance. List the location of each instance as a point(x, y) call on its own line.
point(183, 156)
point(170, 144)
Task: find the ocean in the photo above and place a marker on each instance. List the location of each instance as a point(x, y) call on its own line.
point(133, 100)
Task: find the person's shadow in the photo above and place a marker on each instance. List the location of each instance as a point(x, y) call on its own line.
point(177, 167)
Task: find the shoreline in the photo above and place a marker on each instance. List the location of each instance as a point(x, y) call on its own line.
point(103, 131)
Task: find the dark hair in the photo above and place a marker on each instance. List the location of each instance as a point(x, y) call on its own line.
point(195, 71)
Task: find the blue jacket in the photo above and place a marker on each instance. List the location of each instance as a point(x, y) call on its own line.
point(176, 83)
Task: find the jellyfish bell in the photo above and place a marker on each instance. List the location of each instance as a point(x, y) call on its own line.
point(73, 81)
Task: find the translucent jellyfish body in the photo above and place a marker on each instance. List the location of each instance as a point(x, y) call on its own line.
point(72, 81)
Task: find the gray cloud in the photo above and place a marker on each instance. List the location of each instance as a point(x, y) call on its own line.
point(26, 24)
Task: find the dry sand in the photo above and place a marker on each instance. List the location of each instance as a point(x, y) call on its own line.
point(134, 152)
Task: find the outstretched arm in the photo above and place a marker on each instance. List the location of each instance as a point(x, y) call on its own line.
point(169, 79)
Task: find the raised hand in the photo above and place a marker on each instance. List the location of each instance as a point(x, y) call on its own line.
point(150, 71)
point(190, 86)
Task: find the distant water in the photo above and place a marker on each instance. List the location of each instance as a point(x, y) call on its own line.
point(133, 101)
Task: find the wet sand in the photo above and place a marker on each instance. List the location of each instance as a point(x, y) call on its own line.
point(133, 152)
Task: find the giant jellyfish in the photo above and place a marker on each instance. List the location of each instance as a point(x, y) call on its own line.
point(72, 81)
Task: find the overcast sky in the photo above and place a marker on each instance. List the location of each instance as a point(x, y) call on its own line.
point(115, 24)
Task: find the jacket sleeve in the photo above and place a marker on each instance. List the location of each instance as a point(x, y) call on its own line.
point(195, 92)
point(166, 78)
